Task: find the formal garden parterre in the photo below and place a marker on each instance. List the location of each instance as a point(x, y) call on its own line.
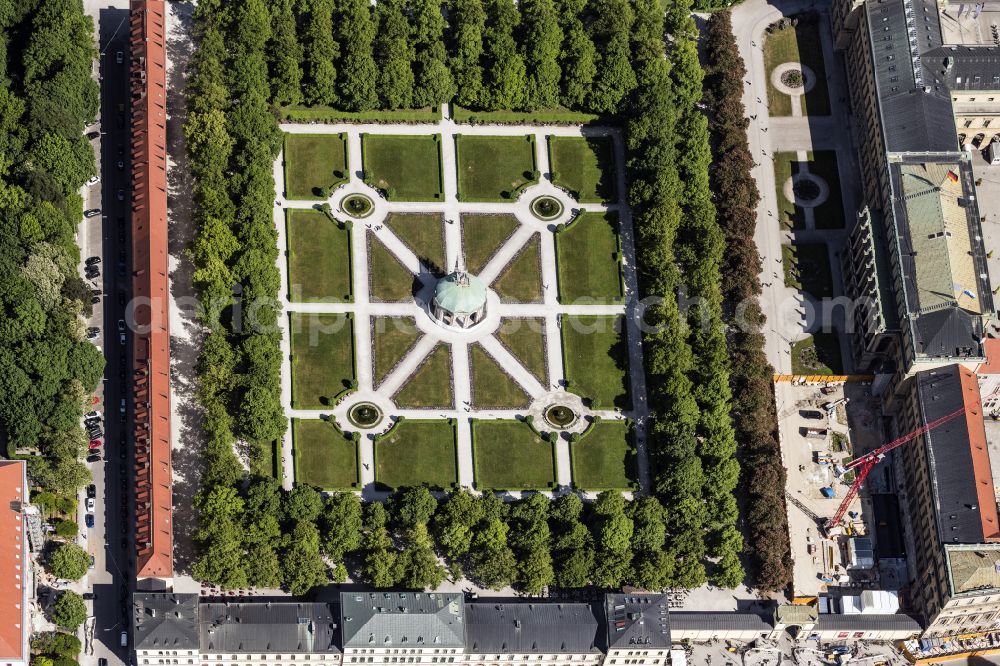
point(361, 284)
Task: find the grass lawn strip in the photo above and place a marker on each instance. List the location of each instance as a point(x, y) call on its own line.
point(409, 166)
point(482, 236)
point(521, 280)
point(595, 358)
point(589, 259)
point(818, 354)
point(319, 258)
point(604, 458)
point(830, 213)
point(392, 338)
point(802, 44)
point(807, 267)
point(422, 233)
point(322, 358)
point(790, 215)
point(586, 167)
point(389, 280)
point(416, 452)
point(525, 339)
point(492, 388)
point(324, 457)
point(430, 386)
point(314, 161)
point(510, 456)
point(493, 168)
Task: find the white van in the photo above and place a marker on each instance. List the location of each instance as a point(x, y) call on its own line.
point(124, 640)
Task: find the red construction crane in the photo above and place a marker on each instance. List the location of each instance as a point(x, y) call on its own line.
point(864, 464)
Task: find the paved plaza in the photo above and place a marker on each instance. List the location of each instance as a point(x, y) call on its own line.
point(549, 314)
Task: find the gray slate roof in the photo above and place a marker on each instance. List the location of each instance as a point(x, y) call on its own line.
point(268, 627)
point(530, 627)
point(949, 457)
point(402, 619)
point(865, 622)
point(163, 620)
point(637, 619)
point(693, 621)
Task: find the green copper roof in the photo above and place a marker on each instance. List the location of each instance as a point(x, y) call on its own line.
point(460, 293)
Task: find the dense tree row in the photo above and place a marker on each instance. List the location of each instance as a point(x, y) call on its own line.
point(48, 370)
point(754, 410)
point(679, 251)
point(485, 54)
point(606, 56)
point(263, 536)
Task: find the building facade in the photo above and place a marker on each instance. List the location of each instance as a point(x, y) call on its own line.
point(952, 508)
point(15, 565)
point(915, 259)
point(390, 628)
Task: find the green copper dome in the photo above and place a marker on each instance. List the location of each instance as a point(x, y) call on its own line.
point(460, 293)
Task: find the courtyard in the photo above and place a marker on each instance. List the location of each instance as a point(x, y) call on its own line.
point(456, 309)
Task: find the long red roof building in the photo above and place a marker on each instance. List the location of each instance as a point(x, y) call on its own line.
point(150, 317)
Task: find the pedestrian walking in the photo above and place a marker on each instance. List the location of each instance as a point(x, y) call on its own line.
point(753, 117)
point(365, 465)
point(764, 128)
point(753, 43)
point(770, 214)
point(758, 100)
point(763, 152)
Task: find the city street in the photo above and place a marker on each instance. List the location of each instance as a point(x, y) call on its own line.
point(106, 236)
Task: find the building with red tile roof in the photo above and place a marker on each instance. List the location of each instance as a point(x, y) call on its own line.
point(15, 565)
point(151, 328)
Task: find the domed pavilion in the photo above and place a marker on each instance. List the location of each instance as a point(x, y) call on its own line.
point(459, 300)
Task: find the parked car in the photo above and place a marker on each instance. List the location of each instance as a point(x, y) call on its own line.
point(95, 299)
point(95, 433)
point(121, 337)
point(119, 59)
point(92, 261)
point(92, 272)
point(93, 135)
point(89, 521)
point(90, 505)
point(93, 332)
point(94, 444)
point(121, 407)
point(121, 324)
point(92, 421)
point(93, 180)
point(88, 596)
point(92, 490)
point(811, 414)
point(120, 195)
point(92, 414)
point(94, 457)
point(92, 212)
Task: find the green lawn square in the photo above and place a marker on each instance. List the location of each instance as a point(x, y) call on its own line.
point(430, 386)
point(324, 456)
point(314, 161)
point(319, 258)
point(525, 339)
point(801, 44)
point(595, 357)
point(408, 168)
point(392, 338)
point(492, 388)
point(322, 358)
point(509, 455)
point(585, 166)
point(604, 458)
point(417, 452)
point(807, 267)
point(818, 354)
point(493, 168)
point(588, 256)
point(483, 234)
